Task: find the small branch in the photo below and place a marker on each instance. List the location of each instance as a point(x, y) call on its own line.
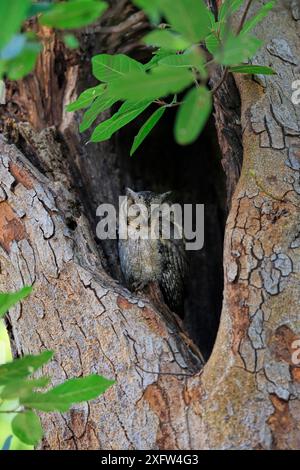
point(168, 105)
point(246, 11)
point(209, 62)
point(221, 81)
point(225, 72)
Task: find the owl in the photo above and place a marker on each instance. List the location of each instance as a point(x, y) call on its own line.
point(153, 250)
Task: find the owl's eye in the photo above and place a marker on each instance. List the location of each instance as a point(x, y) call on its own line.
point(134, 212)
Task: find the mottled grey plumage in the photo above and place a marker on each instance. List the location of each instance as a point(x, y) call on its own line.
point(146, 260)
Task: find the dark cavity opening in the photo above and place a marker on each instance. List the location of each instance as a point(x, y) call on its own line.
point(195, 174)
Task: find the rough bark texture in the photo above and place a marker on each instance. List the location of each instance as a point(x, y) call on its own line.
point(257, 393)
point(247, 395)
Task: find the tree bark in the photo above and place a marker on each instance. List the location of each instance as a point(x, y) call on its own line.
point(247, 394)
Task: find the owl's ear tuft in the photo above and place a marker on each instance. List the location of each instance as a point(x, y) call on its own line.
point(166, 196)
point(131, 194)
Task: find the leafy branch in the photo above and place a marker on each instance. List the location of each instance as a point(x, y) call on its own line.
point(226, 70)
point(16, 383)
point(19, 50)
point(186, 45)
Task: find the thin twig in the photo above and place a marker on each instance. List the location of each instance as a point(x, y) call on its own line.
point(221, 81)
point(225, 72)
point(168, 105)
point(244, 16)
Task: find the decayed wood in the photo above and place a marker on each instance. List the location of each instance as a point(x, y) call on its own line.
point(247, 395)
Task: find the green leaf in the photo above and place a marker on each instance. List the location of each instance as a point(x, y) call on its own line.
point(151, 8)
point(127, 112)
point(166, 39)
point(252, 69)
point(71, 41)
point(191, 58)
point(228, 7)
point(177, 60)
point(260, 15)
point(189, 17)
point(108, 67)
point(221, 29)
point(20, 387)
point(157, 56)
point(27, 427)
point(212, 43)
point(160, 81)
point(8, 300)
point(147, 128)
point(100, 104)
point(192, 115)
point(24, 63)
point(86, 98)
point(12, 14)
point(237, 49)
point(62, 397)
point(211, 18)
point(23, 367)
point(75, 14)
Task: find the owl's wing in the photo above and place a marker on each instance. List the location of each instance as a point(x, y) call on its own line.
point(174, 267)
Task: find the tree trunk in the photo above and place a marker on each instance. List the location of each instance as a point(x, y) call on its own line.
point(247, 394)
